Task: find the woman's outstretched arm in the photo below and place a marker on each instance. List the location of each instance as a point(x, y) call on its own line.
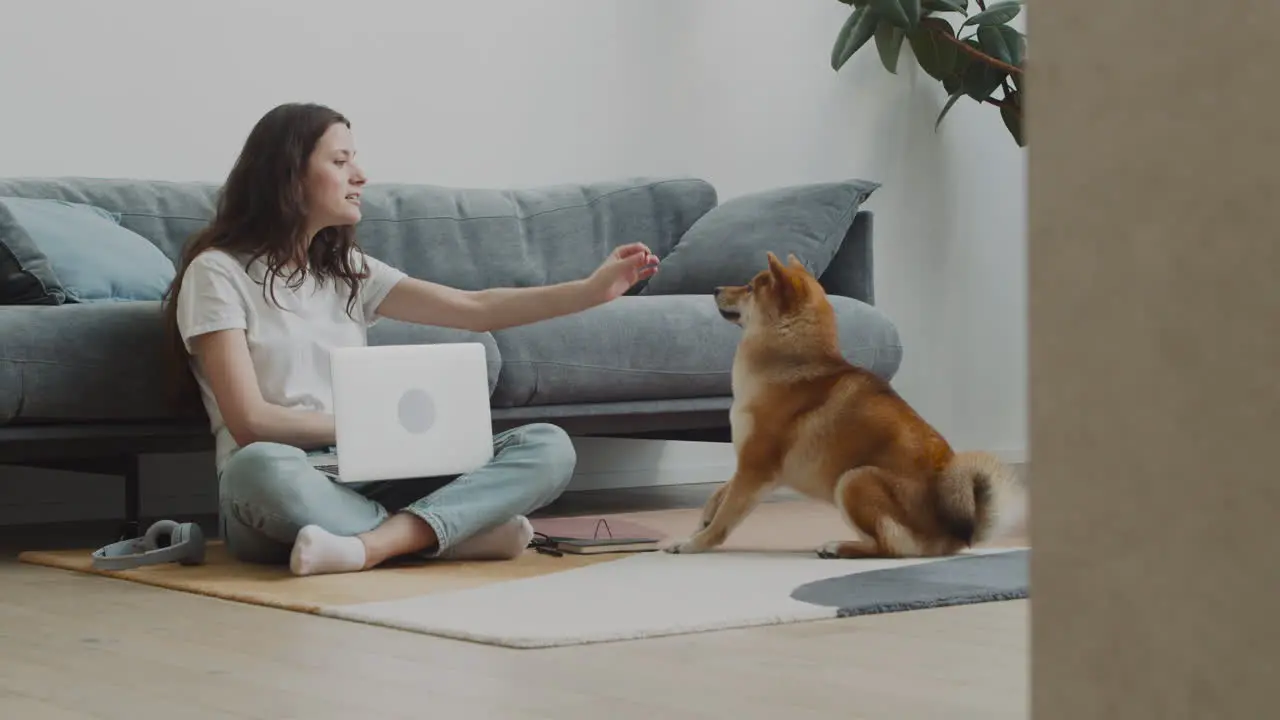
point(428, 303)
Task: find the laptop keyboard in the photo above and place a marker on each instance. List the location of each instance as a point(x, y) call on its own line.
point(326, 463)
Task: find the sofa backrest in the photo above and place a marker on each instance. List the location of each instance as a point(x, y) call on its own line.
point(467, 238)
point(166, 213)
point(474, 238)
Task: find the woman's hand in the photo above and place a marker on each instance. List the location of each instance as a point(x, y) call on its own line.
point(625, 266)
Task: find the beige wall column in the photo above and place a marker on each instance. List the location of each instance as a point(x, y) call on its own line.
point(1155, 359)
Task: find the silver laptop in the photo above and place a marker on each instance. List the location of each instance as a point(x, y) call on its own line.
point(408, 411)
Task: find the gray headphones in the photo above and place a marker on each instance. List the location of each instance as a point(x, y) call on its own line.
point(165, 541)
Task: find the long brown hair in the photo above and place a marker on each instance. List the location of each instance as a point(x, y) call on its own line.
point(261, 213)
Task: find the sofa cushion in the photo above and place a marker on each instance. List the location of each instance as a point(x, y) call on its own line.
point(105, 362)
point(26, 276)
point(61, 251)
point(658, 347)
point(727, 245)
point(100, 361)
point(395, 332)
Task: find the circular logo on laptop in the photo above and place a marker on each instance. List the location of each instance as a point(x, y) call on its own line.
point(417, 411)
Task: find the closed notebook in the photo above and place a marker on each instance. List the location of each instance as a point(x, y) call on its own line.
point(593, 534)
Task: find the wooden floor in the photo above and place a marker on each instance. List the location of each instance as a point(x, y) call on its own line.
point(80, 646)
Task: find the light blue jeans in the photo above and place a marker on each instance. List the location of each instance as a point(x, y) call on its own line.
point(267, 492)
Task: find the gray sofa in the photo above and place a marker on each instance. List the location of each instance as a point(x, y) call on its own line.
point(82, 382)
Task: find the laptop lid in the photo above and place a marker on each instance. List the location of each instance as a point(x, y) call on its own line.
point(407, 411)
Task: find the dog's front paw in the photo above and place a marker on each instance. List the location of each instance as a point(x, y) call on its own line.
point(686, 546)
point(829, 550)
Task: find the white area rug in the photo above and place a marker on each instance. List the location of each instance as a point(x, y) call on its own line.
point(657, 594)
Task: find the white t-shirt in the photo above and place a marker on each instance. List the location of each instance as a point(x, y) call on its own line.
point(289, 342)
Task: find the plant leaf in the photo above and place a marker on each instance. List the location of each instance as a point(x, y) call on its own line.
point(935, 55)
point(991, 42)
point(889, 44)
point(1011, 113)
point(960, 6)
point(912, 10)
point(996, 13)
point(980, 80)
point(946, 109)
point(954, 82)
point(1002, 43)
point(1017, 43)
point(894, 11)
point(855, 33)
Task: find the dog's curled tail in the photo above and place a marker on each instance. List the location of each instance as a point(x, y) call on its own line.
point(980, 498)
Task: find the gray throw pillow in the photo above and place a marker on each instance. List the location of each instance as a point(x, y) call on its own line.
point(727, 245)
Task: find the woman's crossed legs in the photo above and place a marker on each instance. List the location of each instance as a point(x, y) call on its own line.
point(276, 508)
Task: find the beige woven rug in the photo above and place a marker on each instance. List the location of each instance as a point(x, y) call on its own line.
point(774, 544)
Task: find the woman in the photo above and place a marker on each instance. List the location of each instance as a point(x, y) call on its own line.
point(261, 295)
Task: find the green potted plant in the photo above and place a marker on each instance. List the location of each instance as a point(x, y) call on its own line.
point(981, 59)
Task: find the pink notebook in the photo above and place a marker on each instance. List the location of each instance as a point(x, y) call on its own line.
point(590, 534)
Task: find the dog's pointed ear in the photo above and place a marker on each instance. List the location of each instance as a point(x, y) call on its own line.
point(794, 263)
point(788, 286)
point(776, 267)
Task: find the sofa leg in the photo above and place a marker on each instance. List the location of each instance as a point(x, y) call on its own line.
point(132, 498)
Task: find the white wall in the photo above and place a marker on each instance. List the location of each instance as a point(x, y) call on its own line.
point(523, 92)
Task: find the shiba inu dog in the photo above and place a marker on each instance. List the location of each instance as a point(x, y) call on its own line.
point(804, 417)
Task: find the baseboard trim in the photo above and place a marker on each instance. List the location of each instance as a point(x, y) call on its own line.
point(184, 484)
point(617, 463)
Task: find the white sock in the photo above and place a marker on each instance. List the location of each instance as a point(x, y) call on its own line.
point(504, 542)
point(317, 551)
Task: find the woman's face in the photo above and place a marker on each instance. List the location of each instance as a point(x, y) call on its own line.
point(333, 180)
